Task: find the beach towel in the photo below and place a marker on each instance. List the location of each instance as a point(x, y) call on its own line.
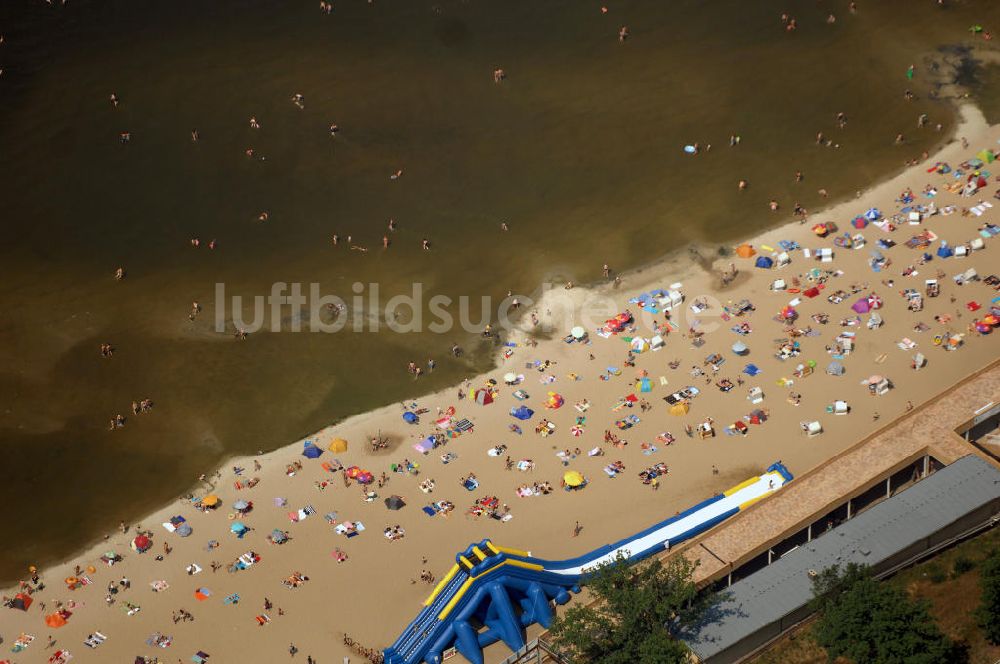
point(429, 511)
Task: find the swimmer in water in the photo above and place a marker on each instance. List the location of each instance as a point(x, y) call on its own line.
point(425, 244)
point(623, 33)
point(392, 225)
point(253, 122)
point(395, 176)
point(503, 226)
point(385, 241)
point(263, 216)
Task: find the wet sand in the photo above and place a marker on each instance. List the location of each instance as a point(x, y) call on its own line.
point(372, 595)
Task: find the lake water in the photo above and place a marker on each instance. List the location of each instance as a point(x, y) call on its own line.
point(579, 150)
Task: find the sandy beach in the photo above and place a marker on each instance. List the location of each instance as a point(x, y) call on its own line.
point(377, 588)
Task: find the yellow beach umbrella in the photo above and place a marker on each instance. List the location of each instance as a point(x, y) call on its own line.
point(338, 445)
point(573, 478)
point(680, 408)
point(210, 500)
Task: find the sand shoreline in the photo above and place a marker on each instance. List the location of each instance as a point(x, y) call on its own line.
point(538, 519)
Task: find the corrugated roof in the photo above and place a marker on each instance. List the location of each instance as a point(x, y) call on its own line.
point(869, 538)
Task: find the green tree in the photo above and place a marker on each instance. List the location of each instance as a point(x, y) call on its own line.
point(988, 613)
point(867, 621)
point(627, 624)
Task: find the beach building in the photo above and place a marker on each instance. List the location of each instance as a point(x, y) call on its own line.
point(948, 505)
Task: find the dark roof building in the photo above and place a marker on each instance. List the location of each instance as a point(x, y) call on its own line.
point(914, 522)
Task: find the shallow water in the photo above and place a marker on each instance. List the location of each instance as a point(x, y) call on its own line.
point(579, 151)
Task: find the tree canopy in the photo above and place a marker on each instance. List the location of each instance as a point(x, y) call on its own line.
point(867, 621)
point(988, 613)
point(628, 622)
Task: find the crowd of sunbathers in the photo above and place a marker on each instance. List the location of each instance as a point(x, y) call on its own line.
point(649, 474)
point(394, 532)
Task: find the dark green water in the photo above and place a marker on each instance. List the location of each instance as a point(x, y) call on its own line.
point(579, 151)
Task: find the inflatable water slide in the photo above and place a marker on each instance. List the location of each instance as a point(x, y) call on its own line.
point(493, 593)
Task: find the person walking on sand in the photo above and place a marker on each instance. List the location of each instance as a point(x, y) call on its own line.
point(576, 529)
point(292, 650)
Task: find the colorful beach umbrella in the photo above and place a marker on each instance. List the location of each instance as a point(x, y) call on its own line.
point(573, 478)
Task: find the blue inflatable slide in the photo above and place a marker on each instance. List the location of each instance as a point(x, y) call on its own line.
point(493, 593)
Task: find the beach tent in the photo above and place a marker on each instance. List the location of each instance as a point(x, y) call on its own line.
point(57, 619)
point(745, 251)
point(338, 445)
point(764, 262)
point(395, 503)
point(751, 370)
point(484, 397)
point(861, 306)
point(656, 342)
point(878, 385)
point(639, 345)
point(813, 428)
point(811, 292)
point(184, 530)
point(680, 408)
point(522, 413)
point(310, 451)
point(986, 155)
point(835, 369)
point(141, 544)
point(410, 417)
point(740, 348)
point(944, 251)
point(21, 601)
point(573, 479)
point(670, 299)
